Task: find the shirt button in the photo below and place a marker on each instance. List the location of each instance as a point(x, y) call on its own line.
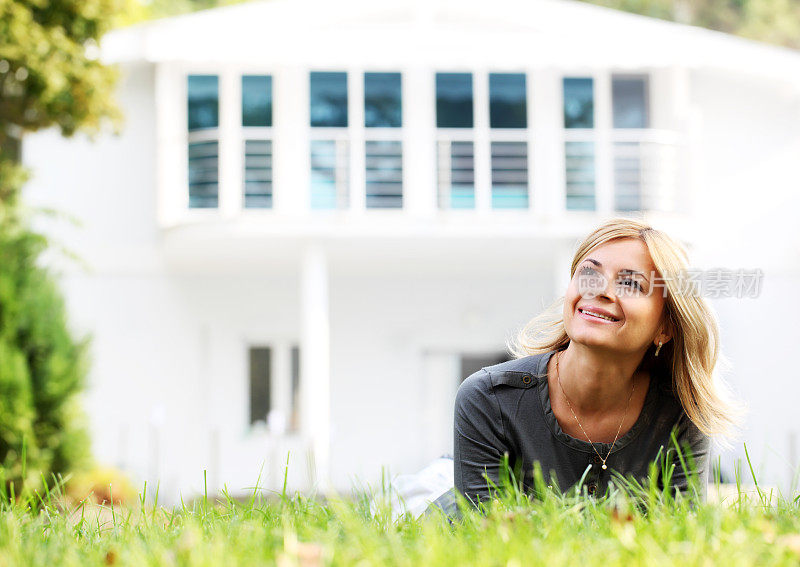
point(596, 459)
point(526, 379)
point(591, 489)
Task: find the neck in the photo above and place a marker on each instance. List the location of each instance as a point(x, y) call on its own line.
point(596, 381)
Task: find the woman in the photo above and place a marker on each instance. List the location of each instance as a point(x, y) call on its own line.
point(603, 377)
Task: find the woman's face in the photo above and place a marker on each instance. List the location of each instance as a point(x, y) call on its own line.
point(615, 279)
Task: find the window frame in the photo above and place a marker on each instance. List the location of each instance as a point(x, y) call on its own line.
point(365, 134)
point(200, 136)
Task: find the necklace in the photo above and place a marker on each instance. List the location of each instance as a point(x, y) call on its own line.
point(633, 386)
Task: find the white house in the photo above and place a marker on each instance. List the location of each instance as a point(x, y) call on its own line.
point(321, 216)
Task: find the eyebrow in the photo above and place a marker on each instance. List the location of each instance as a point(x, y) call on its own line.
point(622, 271)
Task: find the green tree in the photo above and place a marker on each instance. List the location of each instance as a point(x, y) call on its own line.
point(142, 10)
point(50, 76)
point(42, 368)
point(771, 21)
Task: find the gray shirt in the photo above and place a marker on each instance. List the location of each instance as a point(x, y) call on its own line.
point(505, 409)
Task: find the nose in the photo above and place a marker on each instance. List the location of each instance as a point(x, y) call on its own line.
point(607, 289)
point(597, 286)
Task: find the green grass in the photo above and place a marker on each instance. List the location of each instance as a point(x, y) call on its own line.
point(632, 525)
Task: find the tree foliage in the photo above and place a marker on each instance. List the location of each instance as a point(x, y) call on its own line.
point(142, 10)
point(771, 21)
point(42, 368)
point(50, 76)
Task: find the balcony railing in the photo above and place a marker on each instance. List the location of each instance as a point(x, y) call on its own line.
point(603, 171)
point(641, 169)
point(508, 182)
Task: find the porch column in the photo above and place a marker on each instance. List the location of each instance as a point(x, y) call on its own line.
point(315, 411)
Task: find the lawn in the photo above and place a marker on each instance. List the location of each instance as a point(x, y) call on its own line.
point(636, 526)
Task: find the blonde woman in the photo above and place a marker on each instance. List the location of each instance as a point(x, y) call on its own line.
point(603, 377)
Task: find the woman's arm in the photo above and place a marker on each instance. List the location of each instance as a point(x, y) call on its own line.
point(479, 438)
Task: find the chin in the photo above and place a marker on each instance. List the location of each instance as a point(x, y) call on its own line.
point(593, 342)
point(594, 339)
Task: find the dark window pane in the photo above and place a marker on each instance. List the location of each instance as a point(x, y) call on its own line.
point(260, 379)
point(384, 161)
point(203, 174)
point(629, 95)
point(256, 100)
point(456, 175)
point(578, 103)
point(294, 415)
point(509, 175)
point(579, 160)
point(507, 101)
point(257, 174)
point(329, 99)
point(454, 100)
point(382, 100)
point(203, 101)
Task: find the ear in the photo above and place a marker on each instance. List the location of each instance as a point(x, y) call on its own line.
point(665, 333)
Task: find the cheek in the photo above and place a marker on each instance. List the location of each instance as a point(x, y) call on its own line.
point(646, 315)
point(571, 296)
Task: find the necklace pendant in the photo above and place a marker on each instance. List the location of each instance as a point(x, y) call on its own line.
point(604, 466)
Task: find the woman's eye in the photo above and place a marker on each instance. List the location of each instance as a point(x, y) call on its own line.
point(631, 283)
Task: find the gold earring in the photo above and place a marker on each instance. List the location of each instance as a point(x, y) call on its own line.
point(658, 348)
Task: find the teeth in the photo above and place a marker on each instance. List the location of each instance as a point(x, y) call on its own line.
point(593, 314)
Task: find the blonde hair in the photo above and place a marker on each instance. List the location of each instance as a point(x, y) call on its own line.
point(693, 354)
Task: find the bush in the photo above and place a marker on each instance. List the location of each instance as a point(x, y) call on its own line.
point(42, 368)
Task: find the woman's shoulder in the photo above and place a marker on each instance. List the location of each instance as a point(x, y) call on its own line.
point(520, 373)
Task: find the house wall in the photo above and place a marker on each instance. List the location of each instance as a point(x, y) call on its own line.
point(388, 408)
point(167, 396)
point(749, 169)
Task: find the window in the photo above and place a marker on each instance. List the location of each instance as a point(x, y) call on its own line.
point(382, 100)
point(454, 100)
point(509, 175)
point(384, 160)
point(578, 103)
point(329, 167)
point(275, 407)
point(203, 140)
point(507, 100)
point(580, 175)
point(328, 100)
point(256, 100)
point(456, 162)
point(257, 129)
point(294, 402)
point(383, 147)
point(629, 95)
point(629, 99)
point(508, 110)
point(330, 177)
point(455, 145)
point(579, 145)
point(203, 92)
point(260, 383)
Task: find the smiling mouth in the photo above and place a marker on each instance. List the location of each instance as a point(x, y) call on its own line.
point(594, 315)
